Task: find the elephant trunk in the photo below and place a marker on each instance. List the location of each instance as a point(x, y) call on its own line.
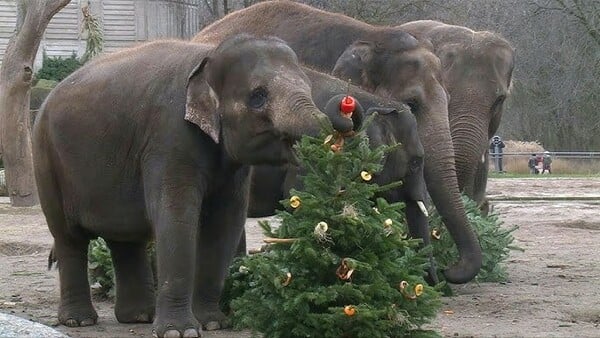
point(299, 122)
point(469, 136)
point(442, 184)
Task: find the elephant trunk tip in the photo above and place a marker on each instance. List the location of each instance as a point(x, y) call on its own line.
point(345, 113)
point(465, 269)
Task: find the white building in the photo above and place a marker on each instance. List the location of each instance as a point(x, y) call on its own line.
point(124, 23)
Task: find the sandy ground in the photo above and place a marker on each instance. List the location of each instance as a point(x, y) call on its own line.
point(553, 291)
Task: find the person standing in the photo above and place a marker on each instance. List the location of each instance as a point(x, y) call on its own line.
point(496, 147)
point(547, 161)
point(531, 164)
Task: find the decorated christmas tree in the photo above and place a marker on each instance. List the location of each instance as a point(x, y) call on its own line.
point(340, 264)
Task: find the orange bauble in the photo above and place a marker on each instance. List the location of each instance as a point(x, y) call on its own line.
point(349, 310)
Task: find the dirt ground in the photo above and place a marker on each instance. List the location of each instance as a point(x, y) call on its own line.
point(554, 287)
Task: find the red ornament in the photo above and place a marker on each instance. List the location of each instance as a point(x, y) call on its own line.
point(348, 105)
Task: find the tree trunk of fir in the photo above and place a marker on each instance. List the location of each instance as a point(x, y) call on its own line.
point(15, 83)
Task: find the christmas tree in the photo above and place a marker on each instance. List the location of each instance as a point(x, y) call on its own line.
point(496, 243)
point(340, 264)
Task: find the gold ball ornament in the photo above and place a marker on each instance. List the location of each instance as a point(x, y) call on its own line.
point(287, 280)
point(365, 175)
point(435, 233)
point(418, 289)
point(349, 310)
point(388, 222)
point(295, 201)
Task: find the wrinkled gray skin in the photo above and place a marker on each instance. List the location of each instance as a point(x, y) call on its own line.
point(477, 71)
point(393, 124)
point(394, 65)
point(157, 141)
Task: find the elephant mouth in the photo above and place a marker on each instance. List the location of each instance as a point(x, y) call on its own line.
point(267, 148)
point(290, 154)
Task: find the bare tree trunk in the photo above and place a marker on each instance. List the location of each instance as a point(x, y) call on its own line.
point(225, 7)
point(15, 83)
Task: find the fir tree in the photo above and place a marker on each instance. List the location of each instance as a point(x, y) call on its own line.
point(339, 265)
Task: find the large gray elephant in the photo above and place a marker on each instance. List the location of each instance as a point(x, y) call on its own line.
point(399, 67)
point(394, 123)
point(477, 71)
point(157, 141)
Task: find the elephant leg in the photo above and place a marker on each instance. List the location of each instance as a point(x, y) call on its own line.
point(75, 300)
point(241, 248)
point(418, 227)
point(173, 199)
point(221, 231)
point(135, 283)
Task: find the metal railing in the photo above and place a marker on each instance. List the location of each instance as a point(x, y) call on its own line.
point(555, 154)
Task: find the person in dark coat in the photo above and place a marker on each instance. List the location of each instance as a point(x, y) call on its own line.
point(496, 147)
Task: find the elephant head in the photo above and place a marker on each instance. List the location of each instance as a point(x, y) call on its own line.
point(251, 95)
point(413, 75)
point(477, 70)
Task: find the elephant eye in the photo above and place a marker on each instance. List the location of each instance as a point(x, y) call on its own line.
point(414, 106)
point(415, 164)
point(258, 98)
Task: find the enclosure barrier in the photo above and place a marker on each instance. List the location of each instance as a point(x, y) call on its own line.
point(563, 162)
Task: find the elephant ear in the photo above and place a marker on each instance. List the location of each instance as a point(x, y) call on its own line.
point(202, 102)
point(354, 63)
point(363, 50)
point(448, 53)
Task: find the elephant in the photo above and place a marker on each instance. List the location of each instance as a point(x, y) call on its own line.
point(477, 71)
point(399, 67)
point(156, 142)
point(394, 123)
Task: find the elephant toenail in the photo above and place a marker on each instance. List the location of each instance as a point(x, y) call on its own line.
point(71, 323)
point(172, 334)
point(191, 333)
point(212, 325)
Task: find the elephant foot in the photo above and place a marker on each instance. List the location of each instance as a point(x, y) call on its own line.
point(213, 319)
point(73, 316)
point(127, 312)
point(175, 326)
point(135, 316)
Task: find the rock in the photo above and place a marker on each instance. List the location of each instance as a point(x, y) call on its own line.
point(12, 326)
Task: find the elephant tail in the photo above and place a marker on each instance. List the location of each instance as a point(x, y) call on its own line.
point(52, 259)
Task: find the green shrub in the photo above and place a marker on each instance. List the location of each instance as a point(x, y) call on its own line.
point(100, 269)
point(39, 92)
point(57, 68)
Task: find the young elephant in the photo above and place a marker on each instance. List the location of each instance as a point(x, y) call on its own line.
point(393, 124)
point(157, 141)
